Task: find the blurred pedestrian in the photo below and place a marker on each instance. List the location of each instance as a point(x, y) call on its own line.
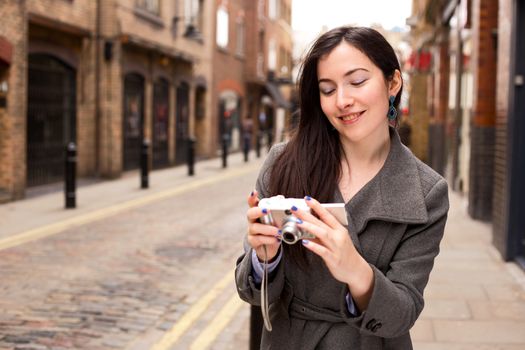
point(358, 286)
point(247, 131)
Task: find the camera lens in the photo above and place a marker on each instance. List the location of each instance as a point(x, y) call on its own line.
point(291, 232)
point(289, 237)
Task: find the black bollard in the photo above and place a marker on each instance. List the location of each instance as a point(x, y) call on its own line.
point(191, 156)
point(246, 147)
point(144, 164)
point(256, 327)
point(270, 140)
point(258, 145)
point(225, 141)
point(70, 174)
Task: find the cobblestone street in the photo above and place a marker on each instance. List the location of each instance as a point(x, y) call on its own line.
point(123, 281)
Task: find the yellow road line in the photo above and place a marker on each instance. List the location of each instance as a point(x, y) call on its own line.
point(217, 325)
point(52, 229)
point(193, 313)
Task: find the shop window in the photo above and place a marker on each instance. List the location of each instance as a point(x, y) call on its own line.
point(152, 6)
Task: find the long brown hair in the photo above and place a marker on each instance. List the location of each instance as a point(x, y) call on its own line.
point(310, 163)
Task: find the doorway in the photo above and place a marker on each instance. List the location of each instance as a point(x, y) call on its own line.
point(516, 139)
point(51, 117)
point(133, 120)
point(182, 122)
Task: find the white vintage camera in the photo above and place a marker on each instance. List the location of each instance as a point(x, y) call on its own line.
point(280, 215)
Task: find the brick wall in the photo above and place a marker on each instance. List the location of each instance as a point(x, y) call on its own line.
point(204, 127)
point(419, 114)
point(66, 29)
point(481, 172)
point(484, 64)
point(13, 119)
point(162, 31)
point(79, 13)
point(499, 203)
point(436, 149)
point(251, 49)
point(229, 67)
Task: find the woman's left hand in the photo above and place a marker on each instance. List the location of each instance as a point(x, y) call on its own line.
point(334, 245)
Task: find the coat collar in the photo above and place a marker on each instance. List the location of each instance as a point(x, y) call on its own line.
point(393, 195)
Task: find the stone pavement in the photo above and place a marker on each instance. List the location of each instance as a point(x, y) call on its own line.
point(474, 300)
point(122, 280)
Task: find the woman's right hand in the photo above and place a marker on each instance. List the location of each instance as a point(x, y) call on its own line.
point(260, 234)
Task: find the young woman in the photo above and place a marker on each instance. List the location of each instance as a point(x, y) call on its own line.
point(358, 286)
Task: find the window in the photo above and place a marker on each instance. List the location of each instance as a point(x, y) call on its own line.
point(283, 61)
point(240, 37)
point(193, 15)
point(273, 9)
point(222, 27)
point(272, 55)
point(152, 6)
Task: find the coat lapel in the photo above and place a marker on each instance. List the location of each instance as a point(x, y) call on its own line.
point(393, 195)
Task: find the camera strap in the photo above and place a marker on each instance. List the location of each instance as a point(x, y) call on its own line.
point(264, 294)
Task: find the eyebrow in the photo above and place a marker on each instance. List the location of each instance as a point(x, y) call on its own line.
point(350, 72)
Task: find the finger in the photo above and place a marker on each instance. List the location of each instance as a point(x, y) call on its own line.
point(253, 199)
point(320, 232)
point(307, 216)
point(317, 248)
point(257, 228)
point(322, 212)
point(255, 213)
point(256, 241)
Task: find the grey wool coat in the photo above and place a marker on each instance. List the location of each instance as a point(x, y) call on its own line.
point(396, 221)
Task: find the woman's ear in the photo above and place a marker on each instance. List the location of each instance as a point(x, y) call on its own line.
point(395, 84)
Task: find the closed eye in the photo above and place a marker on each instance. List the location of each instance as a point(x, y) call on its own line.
point(327, 92)
point(358, 83)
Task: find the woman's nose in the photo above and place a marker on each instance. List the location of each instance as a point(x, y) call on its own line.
point(344, 99)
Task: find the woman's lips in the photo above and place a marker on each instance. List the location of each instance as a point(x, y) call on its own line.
point(351, 117)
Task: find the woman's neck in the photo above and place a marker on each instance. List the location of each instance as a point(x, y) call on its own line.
point(367, 154)
point(361, 162)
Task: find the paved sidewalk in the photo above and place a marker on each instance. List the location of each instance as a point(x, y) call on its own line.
point(474, 300)
point(37, 211)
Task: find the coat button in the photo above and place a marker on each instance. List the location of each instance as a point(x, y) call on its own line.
point(376, 327)
point(371, 324)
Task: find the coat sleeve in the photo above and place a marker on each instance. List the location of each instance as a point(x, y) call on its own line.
point(397, 297)
point(247, 289)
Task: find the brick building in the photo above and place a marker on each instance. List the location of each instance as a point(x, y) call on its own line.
point(475, 105)
point(108, 75)
point(268, 68)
